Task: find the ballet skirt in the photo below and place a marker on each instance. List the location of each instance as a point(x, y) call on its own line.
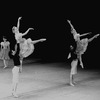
point(26, 48)
point(82, 46)
point(4, 53)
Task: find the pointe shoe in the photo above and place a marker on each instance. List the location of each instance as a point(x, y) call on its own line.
point(72, 84)
point(5, 67)
point(82, 65)
point(14, 94)
point(75, 82)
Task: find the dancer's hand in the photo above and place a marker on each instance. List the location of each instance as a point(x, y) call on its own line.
point(68, 21)
point(31, 28)
point(43, 40)
point(69, 56)
point(13, 52)
point(97, 35)
point(19, 18)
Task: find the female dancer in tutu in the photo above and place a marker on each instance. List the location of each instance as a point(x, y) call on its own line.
point(26, 45)
point(4, 54)
point(18, 35)
point(81, 46)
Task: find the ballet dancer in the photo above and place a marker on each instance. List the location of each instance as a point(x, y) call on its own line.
point(16, 69)
point(18, 35)
point(4, 54)
point(74, 61)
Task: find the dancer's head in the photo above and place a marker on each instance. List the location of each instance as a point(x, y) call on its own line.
point(4, 38)
point(15, 29)
point(71, 47)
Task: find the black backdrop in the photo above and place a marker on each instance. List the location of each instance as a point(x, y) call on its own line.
point(49, 21)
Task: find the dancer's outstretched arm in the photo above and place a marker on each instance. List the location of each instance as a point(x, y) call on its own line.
point(15, 49)
point(18, 23)
point(36, 41)
point(93, 37)
point(70, 24)
point(27, 31)
point(71, 50)
point(85, 34)
point(73, 31)
point(69, 55)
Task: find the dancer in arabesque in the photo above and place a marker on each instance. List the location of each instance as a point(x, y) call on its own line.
point(18, 35)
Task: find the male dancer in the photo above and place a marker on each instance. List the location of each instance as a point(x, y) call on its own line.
point(74, 61)
point(16, 69)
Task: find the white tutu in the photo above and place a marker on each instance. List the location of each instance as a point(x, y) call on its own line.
point(82, 46)
point(26, 47)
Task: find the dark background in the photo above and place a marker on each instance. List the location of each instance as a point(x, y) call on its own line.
point(49, 20)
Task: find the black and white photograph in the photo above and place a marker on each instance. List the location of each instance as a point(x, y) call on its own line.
point(49, 51)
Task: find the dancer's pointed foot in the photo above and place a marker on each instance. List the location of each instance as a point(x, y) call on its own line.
point(14, 94)
point(82, 65)
point(72, 84)
point(5, 67)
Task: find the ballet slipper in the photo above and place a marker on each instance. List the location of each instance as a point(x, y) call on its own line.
point(72, 84)
point(5, 67)
point(82, 65)
point(14, 94)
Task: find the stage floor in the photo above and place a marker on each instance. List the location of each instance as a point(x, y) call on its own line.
point(50, 81)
